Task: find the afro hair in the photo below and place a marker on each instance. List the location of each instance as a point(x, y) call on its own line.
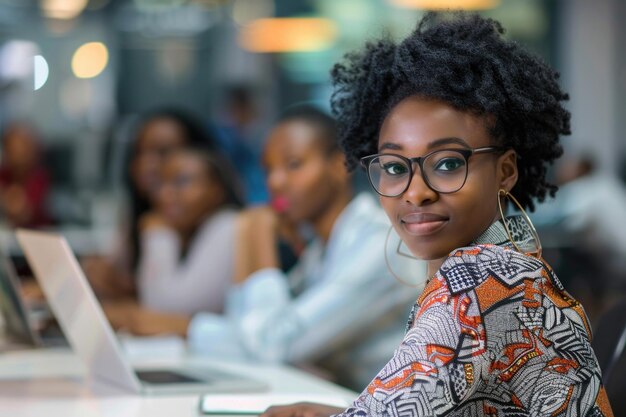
point(463, 60)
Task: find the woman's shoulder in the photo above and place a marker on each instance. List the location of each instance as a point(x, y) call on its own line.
point(220, 225)
point(468, 267)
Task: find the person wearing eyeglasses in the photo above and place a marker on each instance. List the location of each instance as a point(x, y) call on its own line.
point(455, 126)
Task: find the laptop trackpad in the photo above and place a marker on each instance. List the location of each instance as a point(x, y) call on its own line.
point(167, 377)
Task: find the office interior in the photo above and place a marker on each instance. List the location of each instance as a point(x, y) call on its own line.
point(81, 73)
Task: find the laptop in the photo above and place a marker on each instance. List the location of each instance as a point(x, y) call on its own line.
point(26, 325)
point(17, 327)
point(91, 336)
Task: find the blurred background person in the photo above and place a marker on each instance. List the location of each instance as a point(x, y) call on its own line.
point(582, 226)
point(158, 134)
point(187, 245)
point(240, 135)
point(24, 180)
point(315, 314)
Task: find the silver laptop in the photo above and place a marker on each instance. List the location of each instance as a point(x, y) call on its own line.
point(91, 336)
point(18, 329)
point(26, 325)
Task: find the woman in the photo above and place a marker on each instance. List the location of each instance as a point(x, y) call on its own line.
point(187, 245)
point(451, 123)
point(158, 134)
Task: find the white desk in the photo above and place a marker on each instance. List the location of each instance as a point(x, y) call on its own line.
point(49, 382)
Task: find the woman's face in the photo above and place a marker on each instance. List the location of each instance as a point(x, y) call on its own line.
point(303, 179)
point(158, 138)
point(188, 193)
point(430, 223)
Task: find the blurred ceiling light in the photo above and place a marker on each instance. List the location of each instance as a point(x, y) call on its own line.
point(41, 71)
point(288, 34)
point(62, 9)
point(16, 59)
point(245, 11)
point(446, 4)
point(90, 59)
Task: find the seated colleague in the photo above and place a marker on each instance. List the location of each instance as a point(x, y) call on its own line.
point(24, 182)
point(576, 208)
point(450, 123)
point(338, 308)
point(187, 245)
point(158, 133)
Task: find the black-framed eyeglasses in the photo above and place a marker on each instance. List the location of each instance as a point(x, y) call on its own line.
point(444, 170)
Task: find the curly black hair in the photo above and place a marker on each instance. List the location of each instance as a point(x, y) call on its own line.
point(463, 60)
point(326, 126)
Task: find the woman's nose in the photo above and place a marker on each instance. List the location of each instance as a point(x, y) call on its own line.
point(276, 180)
point(419, 193)
point(165, 191)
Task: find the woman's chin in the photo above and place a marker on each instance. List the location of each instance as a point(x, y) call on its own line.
point(426, 253)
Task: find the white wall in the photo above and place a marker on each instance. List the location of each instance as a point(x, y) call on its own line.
point(588, 49)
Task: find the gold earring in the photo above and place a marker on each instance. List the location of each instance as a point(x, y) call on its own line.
point(415, 271)
point(520, 227)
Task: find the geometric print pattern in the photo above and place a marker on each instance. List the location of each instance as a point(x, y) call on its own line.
point(493, 334)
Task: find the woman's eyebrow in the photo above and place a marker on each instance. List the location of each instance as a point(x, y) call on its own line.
point(389, 145)
point(434, 144)
point(447, 141)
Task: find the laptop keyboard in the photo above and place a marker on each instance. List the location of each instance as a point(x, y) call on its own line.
point(167, 377)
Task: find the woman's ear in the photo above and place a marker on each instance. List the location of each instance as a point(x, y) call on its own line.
point(507, 170)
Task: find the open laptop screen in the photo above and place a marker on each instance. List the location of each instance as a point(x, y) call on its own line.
point(13, 311)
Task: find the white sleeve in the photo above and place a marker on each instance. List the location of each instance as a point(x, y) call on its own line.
point(249, 306)
point(196, 283)
point(160, 249)
point(273, 326)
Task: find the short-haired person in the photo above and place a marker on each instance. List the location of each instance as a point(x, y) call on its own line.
point(338, 308)
point(451, 123)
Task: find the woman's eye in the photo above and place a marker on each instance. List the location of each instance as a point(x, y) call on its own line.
point(294, 163)
point(449, 164)
point(395, 168)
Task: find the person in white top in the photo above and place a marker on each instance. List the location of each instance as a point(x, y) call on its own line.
point(187, 246)
point(339, 306)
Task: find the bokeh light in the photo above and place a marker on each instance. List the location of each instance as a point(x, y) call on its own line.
point(41, 71)
point(62, 9)
point(296, 34)
point(90, 60)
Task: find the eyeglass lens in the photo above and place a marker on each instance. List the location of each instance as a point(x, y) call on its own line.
point(444, 171)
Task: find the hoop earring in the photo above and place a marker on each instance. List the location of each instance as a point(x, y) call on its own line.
point(408, 263)
point(520, 226)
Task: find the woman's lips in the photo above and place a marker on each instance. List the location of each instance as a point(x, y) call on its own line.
point(172, 212)
point(423, 224)
point(280, 204)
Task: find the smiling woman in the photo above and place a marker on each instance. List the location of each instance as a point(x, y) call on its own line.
point(450, 124)
point(430, 220)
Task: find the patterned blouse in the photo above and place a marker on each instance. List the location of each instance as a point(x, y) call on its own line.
point(493, 334)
